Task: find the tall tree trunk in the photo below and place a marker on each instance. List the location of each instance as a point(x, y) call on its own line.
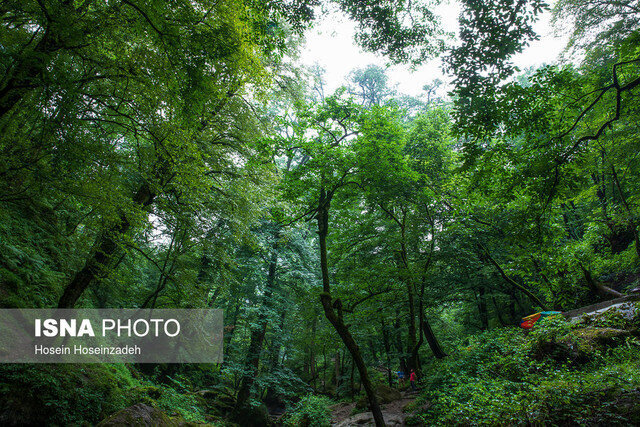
point(258, 333)
point(230, 328)
point(372, 350)
point(333, 309)
point(412, 345)
point(512, 307)
point(337, 370)
point(414, 358)
point(104, 252)
point(312, 352)
point(498, 311)
point(352, 380)
point(397, 342)
point(27, 73)
point(324, 368)
point(276, 347)
point(482, 308)
point(387, 349)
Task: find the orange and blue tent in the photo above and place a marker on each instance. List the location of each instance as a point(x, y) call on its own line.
point(529, 321)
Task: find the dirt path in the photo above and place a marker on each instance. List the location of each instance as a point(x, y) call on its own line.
point(392, 413)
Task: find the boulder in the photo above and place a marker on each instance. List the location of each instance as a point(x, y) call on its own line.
point(366, 419)
point(252, 416)
point(387, 394)
point(579, 346)
point(384, 393)
point(141, 415)
point(602, 336)
point(217, 402)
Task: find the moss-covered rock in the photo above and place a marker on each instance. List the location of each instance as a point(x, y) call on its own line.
point(217, 403)
point(579, 345)
point(252, 416)
point(385, 394)
point(595, 337)
point(140, 415)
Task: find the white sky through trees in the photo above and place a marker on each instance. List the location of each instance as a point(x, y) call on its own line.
point(331, 44)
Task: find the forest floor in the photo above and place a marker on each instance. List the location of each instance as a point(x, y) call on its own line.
point(393, 413)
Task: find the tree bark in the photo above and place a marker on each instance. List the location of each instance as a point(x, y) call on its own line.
point(482, 308)
point(26, 74)
point(312, 353)
point(433, 342)
point(105, 249)
point(498, 311)
point(387, 349)
point(412, 345)
point(230, 329)
point(322, 216)
point(352, 380)
point(397, 342)
point(337, 371)
point(414, 358)
point(252, 361)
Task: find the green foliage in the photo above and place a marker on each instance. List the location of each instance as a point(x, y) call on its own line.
point(509, 377)
point(383, 27)
point(75, 394)
point(189, 406)
point(63, 394)
point(491, 33)
point(170, 150)
point(311, 411)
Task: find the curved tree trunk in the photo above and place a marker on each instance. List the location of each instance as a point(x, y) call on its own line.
point(333, 309)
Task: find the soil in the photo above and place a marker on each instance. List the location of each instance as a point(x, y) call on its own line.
point(392, 413)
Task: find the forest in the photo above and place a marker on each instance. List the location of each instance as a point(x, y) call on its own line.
point(373, 252)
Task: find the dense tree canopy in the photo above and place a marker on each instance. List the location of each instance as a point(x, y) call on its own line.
point(173, 154)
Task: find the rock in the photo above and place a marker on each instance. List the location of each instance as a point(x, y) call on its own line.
point(141, 415)
point(252, 416)
point(387, 394)
point(561, 351)
point(602, 336)
point(217, 402)
point(366, 419)
point(579, 346)
point(384, 393)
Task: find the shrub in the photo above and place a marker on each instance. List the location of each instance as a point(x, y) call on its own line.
point(510, 377)
point(64, 394)
point(61, 394)
point(310, 411)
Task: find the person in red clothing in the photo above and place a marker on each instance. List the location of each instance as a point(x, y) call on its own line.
point(412, 380)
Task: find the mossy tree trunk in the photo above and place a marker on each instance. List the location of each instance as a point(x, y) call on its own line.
point(258, 333)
